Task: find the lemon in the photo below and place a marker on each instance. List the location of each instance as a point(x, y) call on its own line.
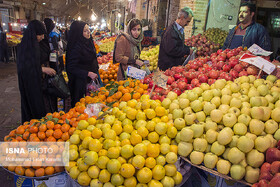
point(154, 103)
point(161, 160)
point(77, 131)
point(104, 176)
point(164, 148)
point(131, 114)
point(115, 111)
point(121, 160)
point(117, 179)
point(127, 151)
point(75, 139)
point(74, 172)
point(91, 127)
point(124, 135)
point(150, 113)
point(138, 161)
point(110, 119)
point(178, 178)
point(71, 164)
point(141, 115)
point(161, 128)
point(83, 124)
point(155, 183)
point(160, 111)
point(117, 127)
point(164, 139)
point(108, 143)
point(171, 157)
point(132, 103)
point(73, 154)
point(122, 104)
point(140, 149)
point(84, 133)
point(171, 132)
point(91, 121)
point(167, 181)
point(83, 179)
point(73, 147)
point(144, 97)
point(128, 128)
point(144, 175)
point(135, 138)
point(113, 166)
point(110, 134)
point(86, 141)
point(113, 152)
point(126, 122)
point(164, 119)
point(93, 172)
point(83, 152)
point(96, 183)
point(102, 152)
point(145, 104)
point(140, 123)
point(170, 170)
point(90, 157)
point(158, 172)
point(150, 162)
point(143, 131)
point(127, 170)
point(102, 162)
point(95, 145)
point(151, 126)
point(153, 137)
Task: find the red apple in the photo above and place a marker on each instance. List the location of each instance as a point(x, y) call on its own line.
point(275, 181)
point(220, 65)
point(194, 82)
point(265, 167)
point(275, 167)
point(226, 68)
point(255, 185)
point(213, 74)
point(211, 81)
point(252, 70)
point(272, 154)
point(233, 73)
point(189, 87)
point(266, 175)
point(170, 80)
point(177, 76)
point(238, 67)
point(182, 85)
point(243, 73)
point(174, 85)
point(233, 61)
point(202, 78)
point(177, 91)
point(263, 183)
point(230, 54)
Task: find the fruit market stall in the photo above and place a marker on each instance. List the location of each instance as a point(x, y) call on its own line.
point(216, 113)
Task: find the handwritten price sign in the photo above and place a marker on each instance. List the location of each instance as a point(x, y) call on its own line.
point(257, 50)
point(160, 79)
point(135, 73)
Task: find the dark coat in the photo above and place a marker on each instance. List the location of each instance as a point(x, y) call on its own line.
point(255, 34)
point(172, 48)
point(79, 61)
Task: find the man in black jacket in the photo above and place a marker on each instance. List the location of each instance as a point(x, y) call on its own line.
point(172, 48)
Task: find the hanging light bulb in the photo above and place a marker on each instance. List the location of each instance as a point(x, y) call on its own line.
point(93, 17)
point(119, 15)
point(79, 18)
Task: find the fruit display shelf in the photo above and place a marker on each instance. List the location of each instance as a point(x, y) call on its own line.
point(215, 172)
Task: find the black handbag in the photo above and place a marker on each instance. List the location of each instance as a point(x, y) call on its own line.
point(57, 86)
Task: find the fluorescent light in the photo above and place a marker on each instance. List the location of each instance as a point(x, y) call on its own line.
point(119, 15)
point(103, 21)
point(93, 17)
point(79, 18)
point(4, 24)
point(43, 3)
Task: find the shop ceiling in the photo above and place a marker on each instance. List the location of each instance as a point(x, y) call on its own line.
point(61, 8)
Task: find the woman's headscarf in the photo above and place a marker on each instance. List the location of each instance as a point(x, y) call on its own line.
point(49, 25)
point(27, 56)
point(76, 38)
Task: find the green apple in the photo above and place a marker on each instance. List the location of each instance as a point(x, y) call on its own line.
point(237, 172)
point(240, 129)
point(251, 136)
point(245, 85)
point(253, 92)
point(179, 123)
point(198, 91)
point(243, 163)
point(210, 160)
point(269, 98)
point(216, 92)
point(275, 114)
point(173, 106)
point(216, 115)
point(254, 158)
point(205, 86)
point(200, 144)
point(256, 126)
point(183, 103)
point(235, 87)
point(187, 110)
point(183, 96)
point(196, 105)
point(190, 118)
point(256, 101)
point(207, 95)
point(244, 91)
point(196, 157)
point(262, 143)
point(252, 174)
point(235, 102)
point(273, 142)
point(244, 79)
point(229, 119)
point(270, 126)
point(271, 78)
point(236, 95)
point(263, 89)
point(235, 111)
point(244, 118)
point(235, 155)
point(234, 141)
point(216, 101)
point(171, 95)
point(198, 129)
point(225, 99)
point(225, 154)
point(264, 101)
point(209, 124)
point(208, 107)
point(166, 103)
point(186, 134)
point(267, 113)
point(217, 148)
point(177, 113)
point(200, 116)
point(224, 108)
point(258, 82)
point(225, 136)
point(192, 96)
point(252, 78)
point(271, 106)
point(269, 84)
point(246, 110)
point(184, 148)
point(257, 113)
point(211, 136)
point(223, 166)
point(220, 84)
point(246, 104)
point(245, 144)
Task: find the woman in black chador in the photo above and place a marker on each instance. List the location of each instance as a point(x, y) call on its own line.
point(30, 72)
point(81, 60)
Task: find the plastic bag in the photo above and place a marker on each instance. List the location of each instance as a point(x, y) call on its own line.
point(93, 86)
point(94, 109)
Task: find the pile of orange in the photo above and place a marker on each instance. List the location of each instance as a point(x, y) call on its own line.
point(54, 127)
point(110, 74)
point(115, 92)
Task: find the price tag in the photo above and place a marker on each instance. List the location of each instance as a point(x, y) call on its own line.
point(259, 62)
point(104, 66)
point(145, 28)
point(257, 50)
point(52, 57)
point(160, 79)
point(135, 73)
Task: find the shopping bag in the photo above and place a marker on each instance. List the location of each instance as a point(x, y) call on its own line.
point(93, 86)
point(57, 86)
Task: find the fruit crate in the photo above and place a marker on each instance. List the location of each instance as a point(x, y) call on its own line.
point(215, 172)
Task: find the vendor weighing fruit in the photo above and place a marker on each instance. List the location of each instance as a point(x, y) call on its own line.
point(173, 50)
point(247, 32)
